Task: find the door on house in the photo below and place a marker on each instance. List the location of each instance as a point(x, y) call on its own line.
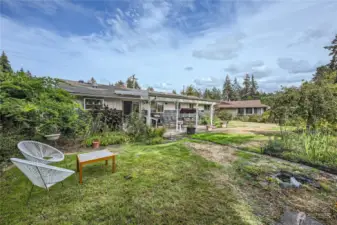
point(127, 108)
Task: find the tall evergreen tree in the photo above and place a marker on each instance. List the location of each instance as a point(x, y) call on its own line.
point(29, 73)
point(5, 65)
point(207, 94)
point(227, 91)
point(192, 91)
point(120, 84)
point(253, 88)
point(215, 93)
point(333, 52)
point(92, 81)
point(236, 90)
point(245, 93)
point(174, 92)
point(150, 88)
point(131, 82)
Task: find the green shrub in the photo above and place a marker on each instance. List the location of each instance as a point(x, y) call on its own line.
point(155, 141)
point(136, 127)
point(108, 138)
point(8, 148)
point(224, 116)
point(255, 118)
point(242, 118)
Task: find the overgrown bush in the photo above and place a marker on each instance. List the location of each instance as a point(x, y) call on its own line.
point(136, 127)
point(8, 148)
point(31, 103)
point(111, 119)
point(108, 138)
point(242, 118)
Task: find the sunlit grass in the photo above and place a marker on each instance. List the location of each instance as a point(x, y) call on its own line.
point(226, 138)
point(163, 184)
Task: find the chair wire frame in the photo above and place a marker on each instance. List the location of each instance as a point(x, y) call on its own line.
point(39, 152)
point(41, 175)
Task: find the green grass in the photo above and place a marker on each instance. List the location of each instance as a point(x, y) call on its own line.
point(169, 185)
point(225, 138)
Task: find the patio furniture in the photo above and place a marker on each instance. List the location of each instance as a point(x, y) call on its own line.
point(92, 157)
point(39, 152)
point(41, 175)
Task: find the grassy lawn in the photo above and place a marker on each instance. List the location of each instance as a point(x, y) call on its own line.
point(167, 185)
point(228, 138)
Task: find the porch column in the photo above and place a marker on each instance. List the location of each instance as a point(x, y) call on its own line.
point(148, 118)
point(177, 115)
point(140, 109)
point(196, 115)
point(244, 111)
point(211, 115)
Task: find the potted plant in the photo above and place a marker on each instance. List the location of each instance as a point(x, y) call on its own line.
point(95, 144)
point(51, 132)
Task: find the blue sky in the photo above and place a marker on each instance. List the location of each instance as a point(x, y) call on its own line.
point(168, 44)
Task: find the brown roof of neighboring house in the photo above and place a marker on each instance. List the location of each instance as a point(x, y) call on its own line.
point(241, 104)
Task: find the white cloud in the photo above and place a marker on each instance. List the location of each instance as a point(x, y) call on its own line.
point(258, 68)
point(297, 66)
point(144, 42)
point(209, 82)
point(222, 49)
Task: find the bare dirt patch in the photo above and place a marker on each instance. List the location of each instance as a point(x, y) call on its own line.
point(212, 152)
point(250, 178)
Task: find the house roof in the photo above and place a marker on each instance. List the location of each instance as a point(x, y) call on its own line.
point(241, 104)
point(109, 91)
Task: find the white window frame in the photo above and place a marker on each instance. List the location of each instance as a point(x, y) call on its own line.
point(191, 106)
point(84, 102)
point(155, 109)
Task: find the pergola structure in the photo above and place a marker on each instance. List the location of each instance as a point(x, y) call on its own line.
point(177, 101)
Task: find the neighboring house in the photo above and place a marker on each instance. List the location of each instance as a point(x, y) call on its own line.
point(243, 108)
point(151, 103)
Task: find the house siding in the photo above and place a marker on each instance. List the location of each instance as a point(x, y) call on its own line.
point(169, 106)
point(114, 103)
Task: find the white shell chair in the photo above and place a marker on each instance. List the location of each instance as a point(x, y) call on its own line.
point(37, 152)
point(41, 175)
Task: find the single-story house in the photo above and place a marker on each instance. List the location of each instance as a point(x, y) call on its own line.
point(152, 104)
point(243, 108)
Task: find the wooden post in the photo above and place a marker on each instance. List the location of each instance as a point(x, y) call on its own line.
point(177, 116)
point(140, 109)
point(148, 118)
point(211, 115)
point(196, 115)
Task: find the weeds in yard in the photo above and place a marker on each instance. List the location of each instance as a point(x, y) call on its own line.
point(314, 147)
point(224, 138)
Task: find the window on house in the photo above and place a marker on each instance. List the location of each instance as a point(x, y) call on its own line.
point(157, 107)
point(241, 111)
point(249, 110)
point(207, 107)
point(257, 110)
point(93, 103)
point(191, 106)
